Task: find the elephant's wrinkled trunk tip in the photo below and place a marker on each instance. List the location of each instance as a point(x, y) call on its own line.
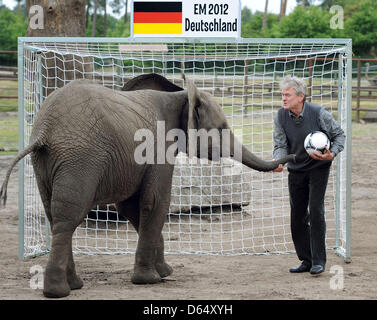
point(290, 157)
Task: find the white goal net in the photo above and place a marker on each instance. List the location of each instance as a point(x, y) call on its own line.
point(216, 208)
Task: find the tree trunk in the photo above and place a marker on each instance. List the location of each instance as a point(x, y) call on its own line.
point(18, 6)
point(60, 19)
point(87, 14)
point(125, 12)
point(264, 24)
point(281, 10)
point(94, 22)
point(105, 20)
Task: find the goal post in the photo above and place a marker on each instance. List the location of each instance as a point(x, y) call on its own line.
point(216, 208)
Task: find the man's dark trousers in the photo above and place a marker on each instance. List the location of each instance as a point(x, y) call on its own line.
point(307, 191)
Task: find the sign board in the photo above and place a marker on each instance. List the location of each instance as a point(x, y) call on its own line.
point(186, 18)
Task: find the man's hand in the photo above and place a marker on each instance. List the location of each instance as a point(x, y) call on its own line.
point(279, 168)
point(319, 156)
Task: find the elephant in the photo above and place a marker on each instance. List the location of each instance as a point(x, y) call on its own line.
point(82, 149)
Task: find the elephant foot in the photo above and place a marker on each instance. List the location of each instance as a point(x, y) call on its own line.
point(56, 290)
point(163, 269)
point(55, 283)
point(145, 276)
point(75, 282)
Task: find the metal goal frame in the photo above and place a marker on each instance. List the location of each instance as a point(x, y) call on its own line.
point(343, 183)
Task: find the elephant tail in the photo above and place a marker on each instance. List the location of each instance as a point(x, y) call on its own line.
point(32, 147)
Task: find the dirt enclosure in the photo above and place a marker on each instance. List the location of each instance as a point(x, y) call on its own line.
point(246, 277)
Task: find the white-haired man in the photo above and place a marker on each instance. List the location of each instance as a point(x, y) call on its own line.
point(308, 176)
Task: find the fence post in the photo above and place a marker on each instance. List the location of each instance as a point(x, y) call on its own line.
point(358, 90)
point(310, 80)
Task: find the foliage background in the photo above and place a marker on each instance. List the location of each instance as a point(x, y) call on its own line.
point(309, 21)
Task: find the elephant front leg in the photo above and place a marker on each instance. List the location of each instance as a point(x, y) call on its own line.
point(150, 265)
point(130, 209)
point(145, 271)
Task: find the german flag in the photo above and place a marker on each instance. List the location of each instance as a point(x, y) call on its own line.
point(157, 17)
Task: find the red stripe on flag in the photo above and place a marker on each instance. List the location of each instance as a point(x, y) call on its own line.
point(157, 17)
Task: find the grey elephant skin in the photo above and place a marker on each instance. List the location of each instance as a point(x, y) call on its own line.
point(82, 150)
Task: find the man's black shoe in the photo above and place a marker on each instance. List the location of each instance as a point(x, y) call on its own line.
point(303, 267)
point(316, 269)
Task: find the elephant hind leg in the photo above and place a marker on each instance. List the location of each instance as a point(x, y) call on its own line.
point(69, 204)
point(55, 282)
point(162, 267)
point(73, 279)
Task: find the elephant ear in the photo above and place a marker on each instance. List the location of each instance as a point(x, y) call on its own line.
point(194, 103)
point(152, 81)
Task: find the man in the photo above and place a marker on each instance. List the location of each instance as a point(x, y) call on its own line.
point(308, 176)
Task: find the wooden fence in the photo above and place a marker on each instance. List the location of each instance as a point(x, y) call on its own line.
point(360, 92)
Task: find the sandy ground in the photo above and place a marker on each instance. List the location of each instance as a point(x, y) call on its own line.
point(246, 277)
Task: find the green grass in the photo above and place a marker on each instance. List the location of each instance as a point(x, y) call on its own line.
point(9, 134)
point(8, 88)
point(368, 129)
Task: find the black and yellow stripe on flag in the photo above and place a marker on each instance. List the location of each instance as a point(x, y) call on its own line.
point(157, 17)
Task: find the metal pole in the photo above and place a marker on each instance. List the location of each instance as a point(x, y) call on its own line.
point(41, 99)
point(348, 151)
point(338, 160)
point(21, 147)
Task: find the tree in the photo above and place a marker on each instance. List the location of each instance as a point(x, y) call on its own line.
point(306, 23)
point(362, 28)
point(118, 6)
point(306, 3)
point(253, 29)
point(125, 11)
point(60, 20)
point(19, 6)
point(94, 20)
point(11, 27)
point(264, 24)
point(246, 15)
point(105, 18)
point(283, 9)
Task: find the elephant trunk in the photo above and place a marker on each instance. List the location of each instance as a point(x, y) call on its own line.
point(241, 154)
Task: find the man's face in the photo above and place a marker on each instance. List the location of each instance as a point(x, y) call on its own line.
point(291, 100)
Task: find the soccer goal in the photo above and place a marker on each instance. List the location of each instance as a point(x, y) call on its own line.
point(216, 208)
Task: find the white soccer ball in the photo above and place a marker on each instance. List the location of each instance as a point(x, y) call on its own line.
point(316, 141)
